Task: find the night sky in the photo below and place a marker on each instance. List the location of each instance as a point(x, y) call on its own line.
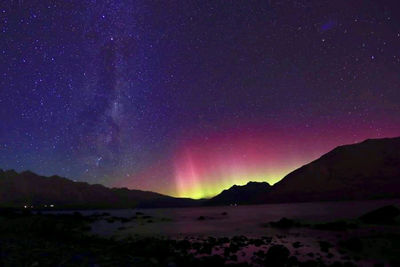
point(188, 98)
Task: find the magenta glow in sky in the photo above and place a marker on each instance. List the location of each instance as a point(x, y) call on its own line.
point(188, 98)
point(203, 168)
point(204, 165)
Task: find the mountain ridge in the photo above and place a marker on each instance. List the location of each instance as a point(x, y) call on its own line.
point(366, 170)
point(239, 194)
point(357, 171)
point(29, 189)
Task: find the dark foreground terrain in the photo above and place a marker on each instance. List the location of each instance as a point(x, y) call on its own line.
point(35, 239)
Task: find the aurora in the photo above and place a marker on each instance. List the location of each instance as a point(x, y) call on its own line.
point(187, 100)
point(206, 163)
point(203, 169)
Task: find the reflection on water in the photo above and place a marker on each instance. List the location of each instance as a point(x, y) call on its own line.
point(248, 225)
point(228, 220)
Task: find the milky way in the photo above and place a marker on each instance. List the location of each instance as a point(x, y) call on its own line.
point(190, 98)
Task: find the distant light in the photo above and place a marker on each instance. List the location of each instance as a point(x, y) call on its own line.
point(51, 206)
point(25, 207)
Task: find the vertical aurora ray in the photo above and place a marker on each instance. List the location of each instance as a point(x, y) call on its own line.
point(187, 179)
point(203, 165)
point(204, 168)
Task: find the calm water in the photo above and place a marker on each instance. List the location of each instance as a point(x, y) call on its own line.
point(239, 220)
point(229, 221)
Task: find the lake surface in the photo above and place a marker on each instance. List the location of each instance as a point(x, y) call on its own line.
point(200, 223)
point(228, 220)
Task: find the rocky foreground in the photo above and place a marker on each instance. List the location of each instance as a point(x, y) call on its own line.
point(35, 239)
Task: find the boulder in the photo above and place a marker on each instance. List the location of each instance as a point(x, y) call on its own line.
point(384, 215)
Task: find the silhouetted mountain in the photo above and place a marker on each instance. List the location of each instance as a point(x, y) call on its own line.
point(366, 170)
point(240, 194)
point(30, 189)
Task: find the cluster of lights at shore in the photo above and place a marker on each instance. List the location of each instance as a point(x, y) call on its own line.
point(44, 206)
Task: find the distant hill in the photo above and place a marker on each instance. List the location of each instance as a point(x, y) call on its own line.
point(366, 170)
point(30, 189)
point(240, 194)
